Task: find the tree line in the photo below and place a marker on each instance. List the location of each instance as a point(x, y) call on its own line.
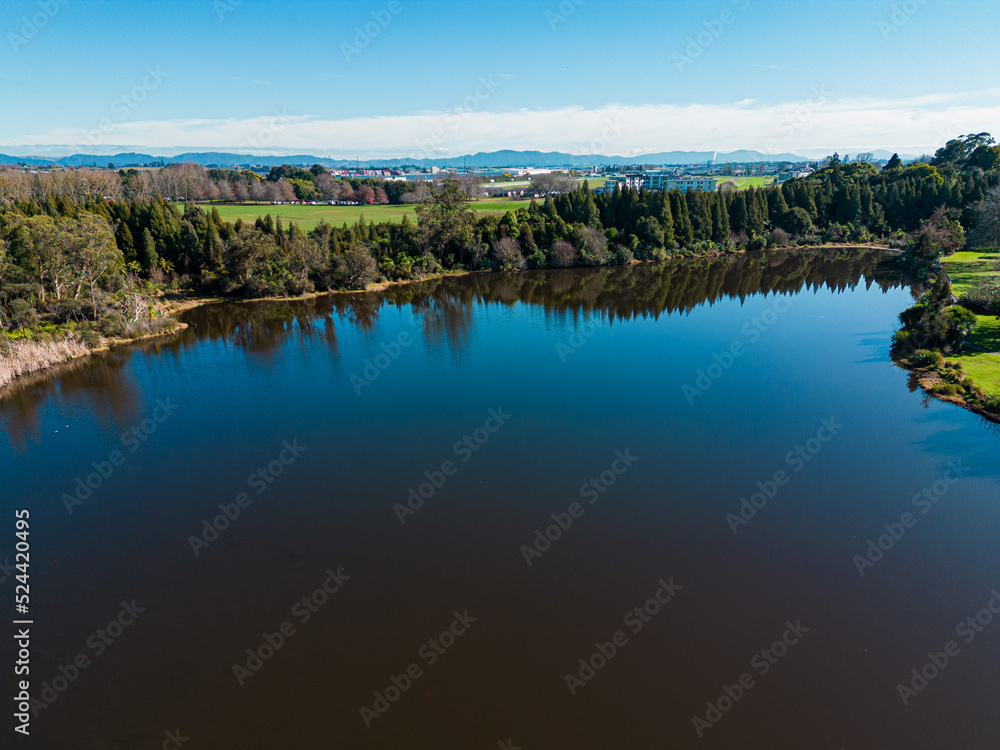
point(192, 182)
point(70, 252)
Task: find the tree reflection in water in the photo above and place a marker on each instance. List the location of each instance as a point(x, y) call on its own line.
point(444, 307)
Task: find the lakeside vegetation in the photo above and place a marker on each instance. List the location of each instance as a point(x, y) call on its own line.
point(977, 274)
point(961, 309)
point(86, 258)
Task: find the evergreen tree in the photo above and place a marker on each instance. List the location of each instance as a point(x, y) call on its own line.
point(125, 244)
point(148, 257)
point(720, 220)
point(776, 206)
point(738, 217)
point(591, 216)
point(683, 231)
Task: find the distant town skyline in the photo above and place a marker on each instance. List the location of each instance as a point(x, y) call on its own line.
point(399, 79)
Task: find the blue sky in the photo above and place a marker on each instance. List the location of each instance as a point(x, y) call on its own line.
point(444, 78)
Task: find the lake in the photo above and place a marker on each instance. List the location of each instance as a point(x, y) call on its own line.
point(676, 505)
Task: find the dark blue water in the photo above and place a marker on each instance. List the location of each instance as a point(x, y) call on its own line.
point(391, 463)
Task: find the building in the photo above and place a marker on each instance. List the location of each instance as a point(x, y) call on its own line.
point(785, 176)
point(661, 181)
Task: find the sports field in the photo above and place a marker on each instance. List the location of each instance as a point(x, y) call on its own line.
point(745, 183)
point(307, 217)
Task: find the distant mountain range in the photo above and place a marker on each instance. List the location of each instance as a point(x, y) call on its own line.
point(493, 159)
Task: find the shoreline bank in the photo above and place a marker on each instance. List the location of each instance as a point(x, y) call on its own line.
point(174, 304)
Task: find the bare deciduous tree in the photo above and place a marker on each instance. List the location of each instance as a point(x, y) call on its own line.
point(258, 191)
point(554, 182)
point(563, 255)
point(419, 195)
point(327, 187)
point(506, 254)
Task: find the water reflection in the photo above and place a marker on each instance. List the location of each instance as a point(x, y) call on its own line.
point(97, 384)
point(445, 307)
point(640, 290)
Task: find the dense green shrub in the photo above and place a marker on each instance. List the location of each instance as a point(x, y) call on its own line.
point(926, 358)
point(89, 336)
point(984, 297)
point(111, 325)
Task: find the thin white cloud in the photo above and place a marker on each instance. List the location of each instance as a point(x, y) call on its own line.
point(816, 123)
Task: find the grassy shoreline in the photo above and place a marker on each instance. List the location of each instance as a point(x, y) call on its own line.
point(983, 362)
point(970, 377)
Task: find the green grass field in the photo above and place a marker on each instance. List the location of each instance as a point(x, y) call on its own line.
point(745, 183)
point(964, 268)
point(307, 217)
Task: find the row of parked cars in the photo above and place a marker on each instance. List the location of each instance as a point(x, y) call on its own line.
point(314, 203)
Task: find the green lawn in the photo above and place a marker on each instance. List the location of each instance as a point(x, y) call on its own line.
point(967, 266)
point(745, 183)
point(307, 217)
point(964, 268)
point(984, 369)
